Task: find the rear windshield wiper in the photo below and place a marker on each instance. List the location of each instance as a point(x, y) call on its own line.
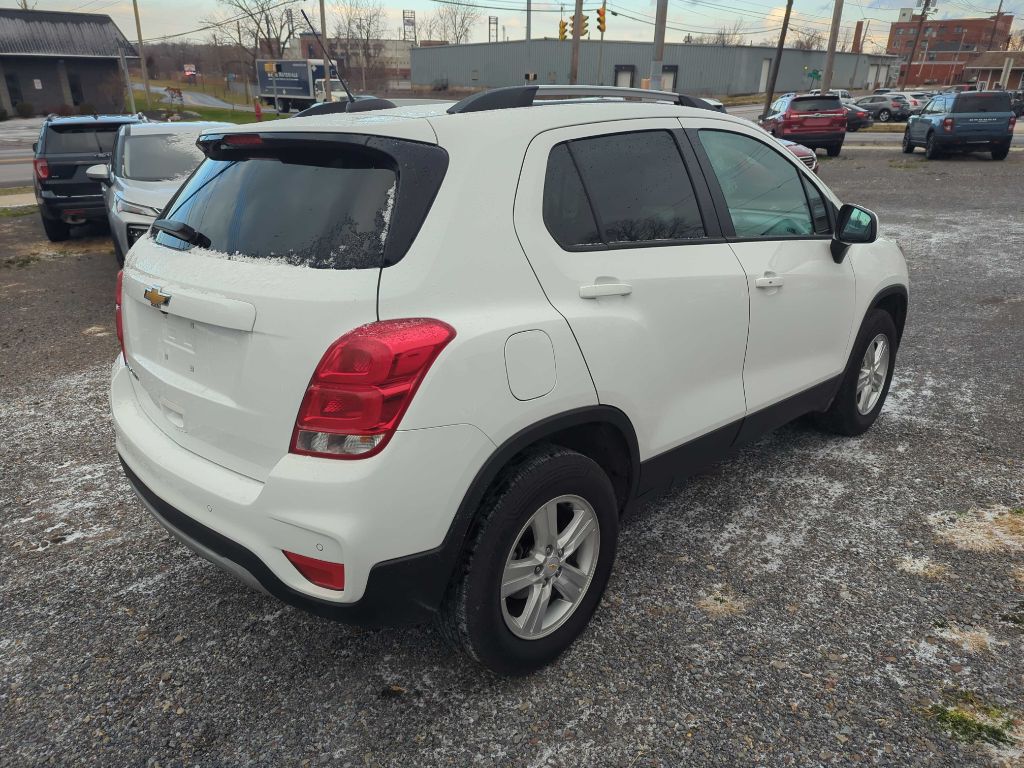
point(182, 231)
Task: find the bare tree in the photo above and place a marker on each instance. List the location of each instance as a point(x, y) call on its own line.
point(360, 28)
point(456, 22)
point(729, 35)
point(24, 5)
point(260, 21)
point(809, 40)
point(1016, 41)
point(429, 26)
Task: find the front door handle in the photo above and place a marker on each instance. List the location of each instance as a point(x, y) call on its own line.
point(769, 280)
point(605, 289)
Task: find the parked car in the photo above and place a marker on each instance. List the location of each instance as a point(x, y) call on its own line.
point(885, 107)
point(879, 91)
point(1017, 103)
point(805, 155)
point(971, 121)
point(814, 121)
point(340, 397)
point(842, 93)
point(916, 100)
point(66, 147)
point(856, 117)
point(148, 164)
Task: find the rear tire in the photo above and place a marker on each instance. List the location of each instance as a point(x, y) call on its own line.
point(884, 116)
point(908, 145)
point(495, 629)
point(56, 230)
point(861, 395)
point(833, 150)
point(931, 149)
point(1000, 153)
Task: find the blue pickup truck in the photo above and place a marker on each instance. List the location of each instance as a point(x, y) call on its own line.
point(972, 121)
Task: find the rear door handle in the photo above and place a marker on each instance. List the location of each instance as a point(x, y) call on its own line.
point(769, 280)
point(605, 289)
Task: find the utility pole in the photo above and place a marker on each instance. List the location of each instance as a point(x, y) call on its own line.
point(574, 64)
point(956, 58)
point(327, 58)
point(773, 76)
point(529, 13)
point(128, 82)
point(830, 55)
point(600, 45)
point(995, 26)
point(917, 40)
point(142, 53)
point(657, 64)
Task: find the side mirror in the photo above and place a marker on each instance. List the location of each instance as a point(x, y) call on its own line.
point(853, 225)
point(99, 172)
point(35, 146)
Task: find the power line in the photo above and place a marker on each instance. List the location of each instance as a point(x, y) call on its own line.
point(218, 24)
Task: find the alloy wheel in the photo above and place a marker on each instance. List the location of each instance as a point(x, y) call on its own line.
point(550, 567)
point(874, 368)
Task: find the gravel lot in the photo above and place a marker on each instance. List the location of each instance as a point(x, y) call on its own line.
point(812, 601)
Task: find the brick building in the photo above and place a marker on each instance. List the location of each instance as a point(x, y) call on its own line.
point(997, 69)
point(51, 60)
point(946, 45)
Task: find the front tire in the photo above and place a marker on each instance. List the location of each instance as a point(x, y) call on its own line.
point(867, 378)
point(538, 565)
point(908, 145)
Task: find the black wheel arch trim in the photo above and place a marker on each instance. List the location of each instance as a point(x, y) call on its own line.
point(892, 290)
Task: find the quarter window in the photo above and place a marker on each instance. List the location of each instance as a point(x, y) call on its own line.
point(636, 184)
point(762, 190)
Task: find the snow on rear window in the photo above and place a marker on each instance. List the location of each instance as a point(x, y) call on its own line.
point(297, 207)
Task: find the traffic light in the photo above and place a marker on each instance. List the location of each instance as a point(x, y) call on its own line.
point(562, 29)
point(602, 25)
point(581, 24)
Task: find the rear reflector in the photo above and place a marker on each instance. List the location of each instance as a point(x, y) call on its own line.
point(320, 572)
point(243, 140)
point(364, 384)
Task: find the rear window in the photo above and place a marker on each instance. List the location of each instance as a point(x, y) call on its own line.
point(78, 139)
point(985, 101)
point(821, 104)
point(313, 208)
point(159, 157)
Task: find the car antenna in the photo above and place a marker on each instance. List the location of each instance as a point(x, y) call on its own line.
point(327, 58)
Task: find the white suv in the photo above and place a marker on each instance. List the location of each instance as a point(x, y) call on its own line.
point(414, 364)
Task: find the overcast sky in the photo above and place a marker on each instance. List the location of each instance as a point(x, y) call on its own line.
point(760, 19)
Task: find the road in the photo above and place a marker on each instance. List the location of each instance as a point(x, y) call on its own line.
point(811, 601)
point(16, 138)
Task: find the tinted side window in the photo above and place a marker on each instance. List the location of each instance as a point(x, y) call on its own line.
point(567, 212)
point(819, 209)
point(762, 190)
point(639, 187)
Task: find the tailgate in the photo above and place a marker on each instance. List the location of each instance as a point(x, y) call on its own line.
point(288, 237)
point(67, 174)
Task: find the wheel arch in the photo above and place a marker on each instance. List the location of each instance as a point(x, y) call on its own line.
point(894, 300)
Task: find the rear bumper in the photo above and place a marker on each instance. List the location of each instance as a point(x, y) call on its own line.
point(386, 518)
point(57, 207)
point(954, 141)
point(815, 140)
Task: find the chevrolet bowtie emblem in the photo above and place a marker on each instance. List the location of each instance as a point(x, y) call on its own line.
point(156, 297)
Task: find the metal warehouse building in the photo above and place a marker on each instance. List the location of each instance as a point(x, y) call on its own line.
point(695, 69)
point(53, 59)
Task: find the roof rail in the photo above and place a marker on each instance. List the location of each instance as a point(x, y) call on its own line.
point(528, 95)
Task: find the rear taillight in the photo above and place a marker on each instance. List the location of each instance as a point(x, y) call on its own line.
point(1013, 122)
point(118, 323)
point(364, 384)
point(947, 125)
point(323, 573)
point(42, 168)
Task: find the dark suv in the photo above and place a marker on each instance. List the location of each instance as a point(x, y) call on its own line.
point(972, 121)
point(67, 146)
